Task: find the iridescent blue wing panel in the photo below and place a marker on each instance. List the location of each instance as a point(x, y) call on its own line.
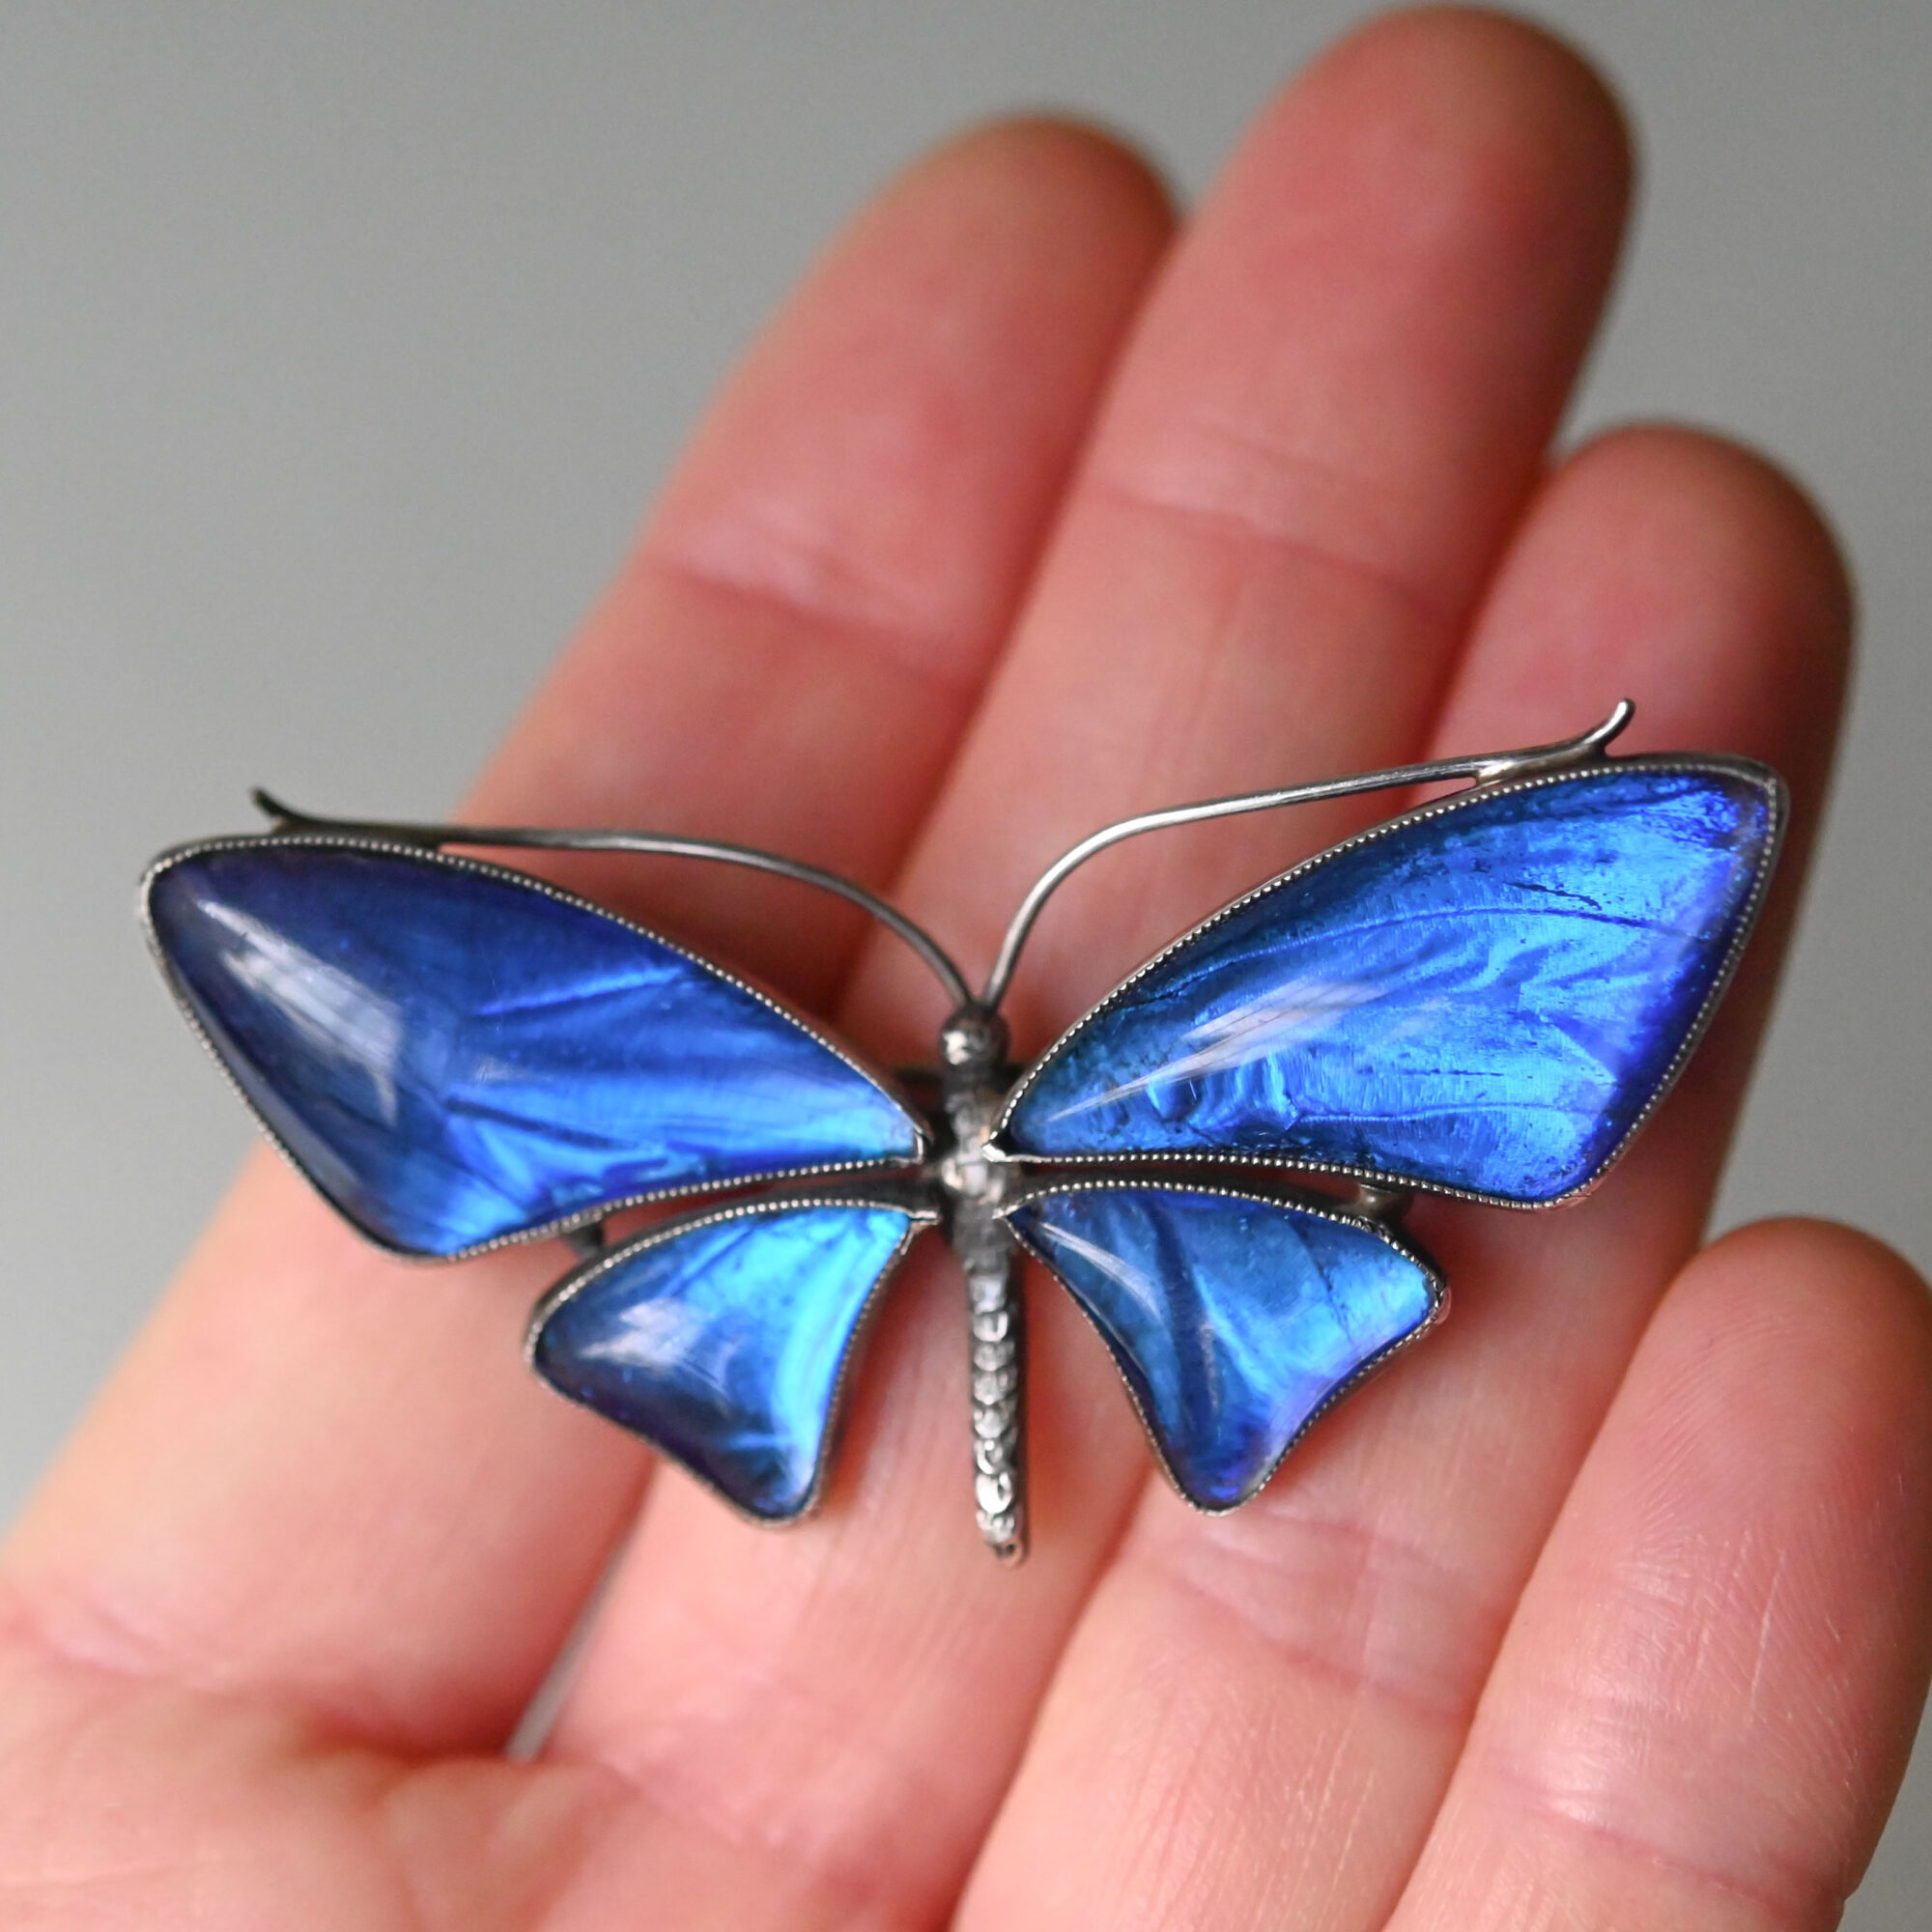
point(458, 1055)
point(1485, 996)
point(724, 1338)
point(1235, 1320)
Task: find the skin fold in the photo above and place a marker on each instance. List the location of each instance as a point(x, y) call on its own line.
point(1607, 1608)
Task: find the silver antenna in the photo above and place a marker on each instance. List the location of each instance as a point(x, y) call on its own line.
point(1486, 769)
point(431, 838)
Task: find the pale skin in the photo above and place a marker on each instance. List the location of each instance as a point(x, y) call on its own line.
point(1605, 1607)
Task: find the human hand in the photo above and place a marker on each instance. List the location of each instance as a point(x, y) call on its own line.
point(1605, 1607)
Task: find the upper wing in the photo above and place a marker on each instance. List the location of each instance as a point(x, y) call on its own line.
point(1485, 996)
point(457, 1055)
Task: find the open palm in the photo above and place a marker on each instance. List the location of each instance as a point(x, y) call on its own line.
point(1607, 1608)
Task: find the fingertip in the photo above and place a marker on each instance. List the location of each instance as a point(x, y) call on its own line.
point(1838, 1307)
point(954, 332)
point(1784, 1391)
point(1689, 572)
point(1442, 197)
point(1763, 540)
point(1489, 85)
point(1050, 159)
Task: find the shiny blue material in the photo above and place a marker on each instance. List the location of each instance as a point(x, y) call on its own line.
point(724, 1343)
point(453, 1055)
point(1487, 999)
point(1235, 1322)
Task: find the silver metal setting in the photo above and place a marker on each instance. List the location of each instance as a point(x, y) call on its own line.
point(562, 1224)
point(911, 1201)
point(1308, 1204)
point(962, 1176)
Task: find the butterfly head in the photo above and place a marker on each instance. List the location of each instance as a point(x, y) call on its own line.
point(973, 1041)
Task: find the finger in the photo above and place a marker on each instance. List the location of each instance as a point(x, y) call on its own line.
point(1330, 421)
point(1310, 1664)
point(821, 594)
point(325, 1477)
point(1708, 1694)
point(1391, 287)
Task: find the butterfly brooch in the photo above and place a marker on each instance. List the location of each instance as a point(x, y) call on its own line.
point(1484, 997)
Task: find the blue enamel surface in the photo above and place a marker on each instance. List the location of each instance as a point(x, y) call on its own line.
point(453, 1056)
point(722, 1344)
point(1232, 1320)
point(1487, 999)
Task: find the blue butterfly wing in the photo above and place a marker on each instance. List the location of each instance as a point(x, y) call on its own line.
point(457, 1055)
point(1235, 1320)
point(724, 1338)
point(1484, 997)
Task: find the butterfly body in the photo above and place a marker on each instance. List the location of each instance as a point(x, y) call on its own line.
point(1484, 997)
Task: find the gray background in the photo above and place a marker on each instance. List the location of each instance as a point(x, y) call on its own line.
point(340, 347)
